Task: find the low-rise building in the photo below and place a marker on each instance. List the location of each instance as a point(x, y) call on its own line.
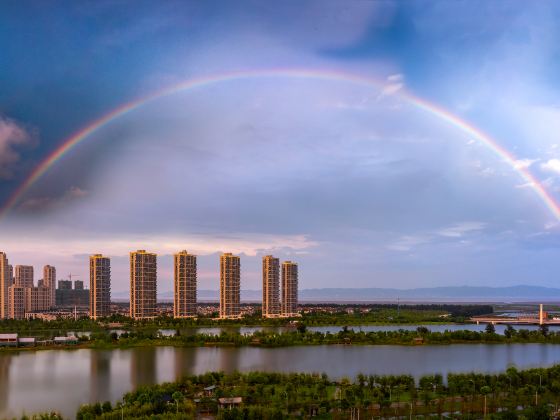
point(8, 340)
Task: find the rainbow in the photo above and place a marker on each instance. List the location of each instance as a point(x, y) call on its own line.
point(430, 108)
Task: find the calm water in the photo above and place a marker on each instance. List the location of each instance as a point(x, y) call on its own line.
point(62, 380)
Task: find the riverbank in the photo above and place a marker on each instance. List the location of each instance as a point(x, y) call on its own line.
point(303, 337)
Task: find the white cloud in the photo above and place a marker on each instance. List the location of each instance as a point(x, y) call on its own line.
point(395, 78)
point(392, 88)
point(407, 242)
point(11, 137)
point(200, 244)
point(526, 185)
point(395, 83)
point(552, 165)
point(524, 163)
point(460, 229)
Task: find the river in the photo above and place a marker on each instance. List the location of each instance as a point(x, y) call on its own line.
point(61, 380)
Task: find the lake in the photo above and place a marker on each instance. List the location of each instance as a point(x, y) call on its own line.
point(62, 380)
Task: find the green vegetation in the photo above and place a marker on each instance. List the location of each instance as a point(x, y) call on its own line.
point(301, 336)
point(529, 394)
point(312, 315)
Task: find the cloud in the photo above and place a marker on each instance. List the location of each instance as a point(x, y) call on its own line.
point(395, 78)
point(460, 229)
point(12, 136)
point(552, 165)
point(76, 192)
point(407, 242)
point(526, 185)
point(524, 163)
point(44, 203)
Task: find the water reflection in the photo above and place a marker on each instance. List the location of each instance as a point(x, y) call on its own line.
point(4, 382)
point(185, 362)
point(143, 366)
point(100, 376)
point(62, 380)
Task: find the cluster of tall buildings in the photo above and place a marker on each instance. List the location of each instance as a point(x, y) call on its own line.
point(279, 301)
point(18, 295)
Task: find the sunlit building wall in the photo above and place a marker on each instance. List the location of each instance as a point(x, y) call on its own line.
point(49, 281)
point(230, 283)
point(5, 283)
point(17, 302)
point(37, 299)
point(289, 288)
point(99, 286)
point(271, 286)
point(24, 275)
point(184, 290)
point(143, 284)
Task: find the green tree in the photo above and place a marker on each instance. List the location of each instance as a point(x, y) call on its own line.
point(490, 329)
point(177, 397)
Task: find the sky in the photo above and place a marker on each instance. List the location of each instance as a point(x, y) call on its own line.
point(347, 175)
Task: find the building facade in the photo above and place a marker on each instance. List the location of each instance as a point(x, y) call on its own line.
point(5, 283)
point(184, 290)
point(24, 275)
point(49, 281)
point(289, 288)
point(37, 299)
point(17, 302)
point(230, 283)
point(65, 284)
point(271, 287)
point(143, 284)
point(99, 286)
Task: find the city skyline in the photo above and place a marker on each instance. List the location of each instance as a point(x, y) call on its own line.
point(439, 164)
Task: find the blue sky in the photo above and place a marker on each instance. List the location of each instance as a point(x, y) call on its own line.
point(355, 183)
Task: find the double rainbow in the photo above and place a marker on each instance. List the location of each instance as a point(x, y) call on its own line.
point(200, 82)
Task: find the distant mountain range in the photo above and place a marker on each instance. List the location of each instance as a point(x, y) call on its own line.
point(520, 293)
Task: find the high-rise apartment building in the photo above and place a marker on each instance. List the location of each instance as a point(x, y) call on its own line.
point(99, 286)
point(78, 285)
point(36, 299)
point(143, 284)
point(184, 296)
point(271, 286)
point(289, 288)
point(49, 281)
point(17, 302)
point(24, 275)
point(5, 283)
point(11, 273)
point(230, 282)
point(65, 284)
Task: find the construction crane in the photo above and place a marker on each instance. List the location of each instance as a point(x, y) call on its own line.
point(70, 276)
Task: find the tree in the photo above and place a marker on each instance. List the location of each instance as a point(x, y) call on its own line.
point(177, 396)
point(543, 328)
point(422, 330)
point(490, 329)
point(509, 331)
point(301, 327)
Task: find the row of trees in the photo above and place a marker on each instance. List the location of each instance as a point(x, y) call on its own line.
point(533, 393)
point(314, 315)
point(302, 336)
